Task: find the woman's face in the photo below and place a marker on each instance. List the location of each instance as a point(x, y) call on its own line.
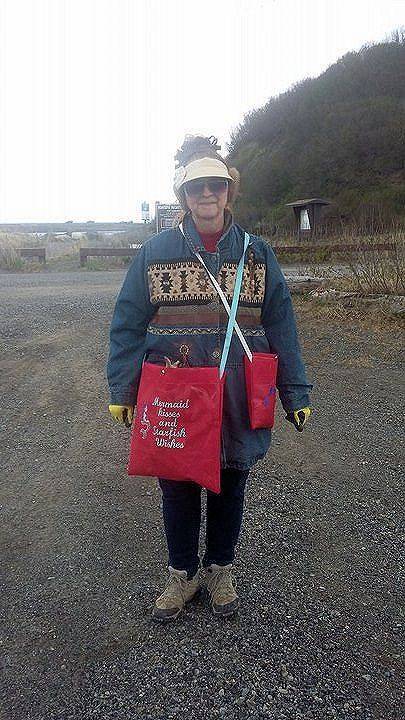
point(206, 197)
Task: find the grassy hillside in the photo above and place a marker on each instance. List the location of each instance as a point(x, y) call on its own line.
point(339, 136)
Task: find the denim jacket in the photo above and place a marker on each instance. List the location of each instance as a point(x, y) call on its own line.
point(167, 307)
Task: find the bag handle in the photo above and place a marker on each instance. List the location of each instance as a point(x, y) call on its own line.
point(238, 283)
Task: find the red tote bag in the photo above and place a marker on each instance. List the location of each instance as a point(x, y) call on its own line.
point(176, 433)
point(261, 391)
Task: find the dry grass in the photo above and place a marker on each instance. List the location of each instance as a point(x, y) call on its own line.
point(368, 270)
point(379, 271)
point(372, 270)
point(9, 256)
point(107, 263)
point(355, 311)
point(374, 334)
point(61, 251)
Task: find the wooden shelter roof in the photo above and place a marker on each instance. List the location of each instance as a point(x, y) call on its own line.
point(310, 201)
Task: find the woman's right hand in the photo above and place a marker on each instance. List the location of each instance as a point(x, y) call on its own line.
point(122, 413)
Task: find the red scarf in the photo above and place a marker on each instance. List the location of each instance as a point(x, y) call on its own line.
point(210, 240)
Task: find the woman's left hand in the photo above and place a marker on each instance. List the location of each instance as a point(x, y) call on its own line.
point(122, 414)
point(299, 417)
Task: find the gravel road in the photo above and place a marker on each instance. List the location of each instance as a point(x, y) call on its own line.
point(320, 633)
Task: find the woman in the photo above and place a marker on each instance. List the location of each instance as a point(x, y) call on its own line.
point(167, 308)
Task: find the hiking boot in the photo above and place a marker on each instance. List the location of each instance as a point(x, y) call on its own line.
point(221, 589)
point(176, 594)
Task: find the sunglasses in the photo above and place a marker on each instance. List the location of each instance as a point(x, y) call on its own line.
point(214, 185)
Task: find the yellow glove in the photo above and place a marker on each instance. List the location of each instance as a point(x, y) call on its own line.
point(122, 413)
point(299, 417)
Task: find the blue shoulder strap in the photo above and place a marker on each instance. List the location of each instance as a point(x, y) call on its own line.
point(234, 307)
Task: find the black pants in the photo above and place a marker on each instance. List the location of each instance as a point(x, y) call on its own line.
point(182, 519)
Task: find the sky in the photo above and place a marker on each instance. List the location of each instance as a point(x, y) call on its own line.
point(97, 95)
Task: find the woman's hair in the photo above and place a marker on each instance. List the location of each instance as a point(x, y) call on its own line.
point(196, 147)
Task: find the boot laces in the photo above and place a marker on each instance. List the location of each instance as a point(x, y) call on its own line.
point(223, 578)
point(175, 586)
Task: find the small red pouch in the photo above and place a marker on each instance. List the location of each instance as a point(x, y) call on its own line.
point(261, 391)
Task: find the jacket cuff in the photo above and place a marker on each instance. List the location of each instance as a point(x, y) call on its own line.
point(297, 402)
point(122, 396)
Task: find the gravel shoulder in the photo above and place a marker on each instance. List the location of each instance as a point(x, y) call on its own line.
point(320, 632)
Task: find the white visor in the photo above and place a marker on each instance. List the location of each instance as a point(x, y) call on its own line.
point(205, 167)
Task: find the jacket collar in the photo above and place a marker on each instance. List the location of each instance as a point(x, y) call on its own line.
point(191, 232)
